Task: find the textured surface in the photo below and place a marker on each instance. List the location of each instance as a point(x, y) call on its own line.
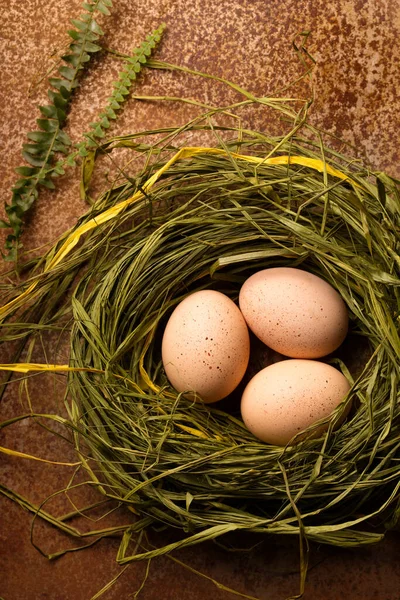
point(356, 45)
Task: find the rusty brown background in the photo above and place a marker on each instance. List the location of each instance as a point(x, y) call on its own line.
point(356, 46)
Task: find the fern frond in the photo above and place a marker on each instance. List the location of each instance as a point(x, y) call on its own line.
point(121, 89)
point(49, 139)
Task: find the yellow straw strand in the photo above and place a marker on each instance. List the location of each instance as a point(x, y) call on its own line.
point(17, 454)
point(186, 152)
point(28, 367)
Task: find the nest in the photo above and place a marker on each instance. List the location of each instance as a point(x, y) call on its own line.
point(199, 218)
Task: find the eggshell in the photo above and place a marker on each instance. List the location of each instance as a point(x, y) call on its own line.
point(206, 346)
point(294, 312)
point(287, 397)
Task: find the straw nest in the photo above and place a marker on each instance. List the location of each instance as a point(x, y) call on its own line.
point(207, 218)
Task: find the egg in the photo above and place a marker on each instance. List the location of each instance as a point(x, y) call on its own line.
point(287, 397)
point(206, 346)
point(294, 312)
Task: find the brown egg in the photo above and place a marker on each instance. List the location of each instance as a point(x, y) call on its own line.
point(287, 397)
point(206, 346)
point(294, 312)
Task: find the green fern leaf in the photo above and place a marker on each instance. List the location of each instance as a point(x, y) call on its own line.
point(82, 149)
point(47, 183)
point(112, 103)
point(49, 139)
point(125, 78)
point(98, 132)
point(48, 125)
point(58, 169)
point(64, 138)
point(32, 149)
point(103, 8)
point(91, 47)
point(26, 171)
point(80, 24)
point(57, 99)
point(40, 136)
point(67, 72)
point(90, 143)
point(35, 161)
point(18, 185)
point(96, 28)
point(70, 161)
point(110, 112)
point(58, 83)
point(49, 111)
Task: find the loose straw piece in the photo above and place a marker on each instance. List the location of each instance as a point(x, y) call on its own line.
point(18, 454)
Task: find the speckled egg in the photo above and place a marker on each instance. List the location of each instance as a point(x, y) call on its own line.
point(206, 346)
point(287, 397)
point(294, 312)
